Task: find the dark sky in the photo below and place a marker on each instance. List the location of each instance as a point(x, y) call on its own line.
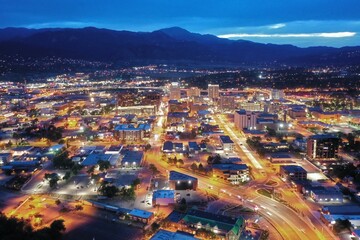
point(298, 22)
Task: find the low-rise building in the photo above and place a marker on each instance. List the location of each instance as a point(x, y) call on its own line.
point(224, 226)
point(234, 173)
point(163, 197)
point(167, 235)
point(180, 181)
point(141, 215)
point(194, 147)
point(293, 172)
point(94, 158)
point(226, 143)
point(326, 194)
point(5, 158)
point(128, 132)
point(131, 159)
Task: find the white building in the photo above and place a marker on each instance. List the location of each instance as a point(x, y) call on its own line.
point(244, 119)
point(277, 94)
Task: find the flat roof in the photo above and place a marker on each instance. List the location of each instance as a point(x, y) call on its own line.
point(280, 155)
point(293, 168)
point(167, 235)
point(116, 148)
point(226, 139)
point(168, 146)
point(132, 156)
point(322, 136)
point(222, 222)
point(141, 213)
point(234, 167)
point(194, 145)
point(164, 194)
point(343, 209)
point(94, 158)
point(22, 148)
point(177, 176)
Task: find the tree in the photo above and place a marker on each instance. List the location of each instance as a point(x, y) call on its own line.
point(153, 169)
point(104, 165)
point(109, 191)
point(136, 182)
point(194, 167)
point(217, 159)
point(16, 136)
point(91, 170)
point(67, 175)
point(342, 225)
point(271, 132)
point(182, 206)
point(62, 160)
point(201, 168)
point(13, 228)
point(53, 182)
point(147, 147)
point(76, 168)
point(180, 162)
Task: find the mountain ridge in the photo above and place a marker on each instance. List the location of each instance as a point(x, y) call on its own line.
point(168, 44)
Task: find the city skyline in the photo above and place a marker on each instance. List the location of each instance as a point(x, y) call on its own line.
point(301, 23)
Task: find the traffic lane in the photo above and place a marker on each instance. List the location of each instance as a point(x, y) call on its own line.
point(205, 181)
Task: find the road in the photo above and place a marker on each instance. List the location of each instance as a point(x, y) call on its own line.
point(288, 223)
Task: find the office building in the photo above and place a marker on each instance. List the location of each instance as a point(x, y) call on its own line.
point(193, 92)
point(293, 172)
point(227, 103)
point(213, 91)
point(180, 181)
point(323, 147)
point(175, 93)
point(277, 94)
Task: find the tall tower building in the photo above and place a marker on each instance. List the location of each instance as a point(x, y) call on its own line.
point(277, 94)
point(213, 91)
point(193, 92)
point(175, 93)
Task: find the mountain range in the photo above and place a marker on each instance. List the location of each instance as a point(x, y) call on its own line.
point(170, 44)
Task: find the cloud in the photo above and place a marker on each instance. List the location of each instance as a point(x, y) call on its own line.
point(277, 26)
point(290, 35)
point(70, 24)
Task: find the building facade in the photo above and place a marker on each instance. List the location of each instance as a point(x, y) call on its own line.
point(323, 147)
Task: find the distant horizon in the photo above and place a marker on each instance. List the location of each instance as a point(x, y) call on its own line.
point(234, 38)
point(301, 23)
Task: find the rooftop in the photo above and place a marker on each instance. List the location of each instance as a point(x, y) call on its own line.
point(176, 176)
point(167, 235)
point(164, 194)
point(224, 223)
point(322, 136)
point(94, 158)
point(140, 213)
point(234, 167)
point(293, 168)
point(226, 139)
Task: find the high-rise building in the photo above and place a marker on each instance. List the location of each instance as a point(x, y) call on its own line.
point(277, 94)
point(213, 91)
point(254, 120)
point(244, 119)
point(175, 93)
point(193, 92)
point(323, 147)
point(227, 103)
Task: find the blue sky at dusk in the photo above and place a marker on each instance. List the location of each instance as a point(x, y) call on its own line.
point(298, 22)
